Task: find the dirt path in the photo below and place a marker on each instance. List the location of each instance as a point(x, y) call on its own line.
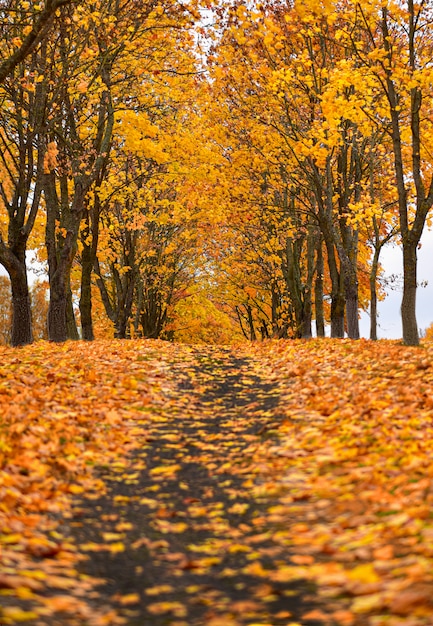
point(179, 537)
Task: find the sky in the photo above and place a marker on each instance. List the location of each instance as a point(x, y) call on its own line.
point(389, 322)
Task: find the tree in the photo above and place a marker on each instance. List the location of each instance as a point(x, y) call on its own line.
point(101, 64)
point(22, 164)
point(25, 26)
point(390, 48)
point(403, 49)
point(272, 79)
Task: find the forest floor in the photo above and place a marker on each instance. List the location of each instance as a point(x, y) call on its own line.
point(273, 484)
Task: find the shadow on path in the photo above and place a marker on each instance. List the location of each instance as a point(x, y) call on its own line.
point(179, 538)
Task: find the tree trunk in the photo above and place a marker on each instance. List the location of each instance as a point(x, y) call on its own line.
point(408, 305)
point(306, 332)
point(253, 336)
point(15, 265)
point(351, 297)
point(347, 252)
point(338, 302)
point(373, 294)
point(21, 333)
point(352, 313)
point(71, 322)
point(239, 316)
point(57, 329)
point(61, 250)
point(318, 292)
point(88, 257)
point(86, 297)
point(308, 288)
point(125, 301)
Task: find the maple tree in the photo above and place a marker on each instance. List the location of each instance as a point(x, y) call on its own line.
point(149, 227)
point(24, 26)
point(307, 160)
point(150, 33)
point(76, 111)
point(21, 120)
point(397, 58)
point(301, 88)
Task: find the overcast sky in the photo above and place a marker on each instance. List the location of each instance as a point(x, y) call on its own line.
point(389, 309)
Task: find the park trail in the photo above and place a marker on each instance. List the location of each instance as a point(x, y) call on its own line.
point(181, 538)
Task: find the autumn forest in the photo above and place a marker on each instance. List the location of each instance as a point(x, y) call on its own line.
point(210, 171)
point(194, 201)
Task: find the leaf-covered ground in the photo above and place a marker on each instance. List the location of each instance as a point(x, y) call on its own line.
point(269, 484)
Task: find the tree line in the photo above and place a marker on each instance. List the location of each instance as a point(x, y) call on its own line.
point(231, 166)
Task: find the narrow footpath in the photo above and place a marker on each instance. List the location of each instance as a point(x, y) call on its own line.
point(184, 536)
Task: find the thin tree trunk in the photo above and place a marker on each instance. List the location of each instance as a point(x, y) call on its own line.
point(338, 302)
point(71, 322)
point(125, 304)
point(87, 262)
point(318, 291)
point(373, 294)
point(408, 305)
point(308, 289)
point(244, 332)
point(253, 336)
point(57, 329)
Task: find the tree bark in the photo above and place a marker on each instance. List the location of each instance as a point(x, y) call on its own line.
point(87, 262)
point(21, 333)
point(15, 264)
point(373, 294)
point(88, 259)
point(318, 291)
point(352, 312)
point(307, 332)
point(351, 296)
point(408, 305)
point(57, 329)
point(71, 322)
point(338, 303)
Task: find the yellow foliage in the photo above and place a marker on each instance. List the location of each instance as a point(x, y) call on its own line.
point(197, 319)
point(429, 333)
